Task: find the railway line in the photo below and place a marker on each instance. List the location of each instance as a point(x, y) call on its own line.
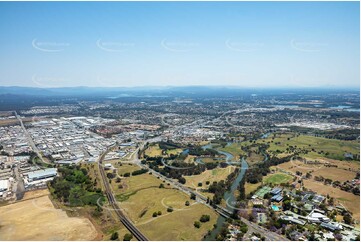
point(112, 201)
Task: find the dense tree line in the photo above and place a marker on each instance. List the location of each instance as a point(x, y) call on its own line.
point(219, 188)
point(139, 172)
point(74, 187)
point(168, 145)
point(199, 151)
point(259, 170)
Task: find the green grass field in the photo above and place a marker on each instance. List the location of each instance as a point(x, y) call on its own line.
point(235, 149)
point(127, 168)
point(277, 178)
point(178, 225)
point(141, 196)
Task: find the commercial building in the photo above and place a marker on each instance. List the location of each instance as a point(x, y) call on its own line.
point(4, 185)
point(41, 174)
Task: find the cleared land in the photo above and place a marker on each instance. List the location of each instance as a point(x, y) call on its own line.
point(335, 174)
point(343, 172)
point(153, 151)
point(140, 196)
point(37, 219)
point(6, 122)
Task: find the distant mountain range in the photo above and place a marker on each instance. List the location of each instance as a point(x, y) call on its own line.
point(159, 91)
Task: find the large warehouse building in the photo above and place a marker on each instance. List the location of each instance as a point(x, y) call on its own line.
point(41, 174)
point(4, 185)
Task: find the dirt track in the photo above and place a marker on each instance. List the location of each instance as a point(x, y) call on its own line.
point(37, 219)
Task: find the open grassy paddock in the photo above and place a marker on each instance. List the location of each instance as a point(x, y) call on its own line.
point(140, 196)
point(174, 151)
point(343, 172)
point(249, 187)
point(235, 149)
point(153, 151)
point(254, 158)
point(331, 148)
point(216, 174)
point(126, 168)
point(178, 225)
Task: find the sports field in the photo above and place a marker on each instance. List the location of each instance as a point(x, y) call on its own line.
point(263, 191)
point(277, 178)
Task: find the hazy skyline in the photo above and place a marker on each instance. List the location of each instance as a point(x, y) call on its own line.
point(250, 44)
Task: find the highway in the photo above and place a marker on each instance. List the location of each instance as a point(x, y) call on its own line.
point(112, 201)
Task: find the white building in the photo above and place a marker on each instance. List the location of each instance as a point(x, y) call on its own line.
point(4, 185)
point(41, 174)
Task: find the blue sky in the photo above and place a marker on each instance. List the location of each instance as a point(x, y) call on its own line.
point(250, 44)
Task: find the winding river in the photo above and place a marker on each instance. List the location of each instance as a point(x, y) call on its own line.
point(228, 195)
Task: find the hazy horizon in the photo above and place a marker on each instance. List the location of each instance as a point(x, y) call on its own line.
point(137, 44)
point(185, 86)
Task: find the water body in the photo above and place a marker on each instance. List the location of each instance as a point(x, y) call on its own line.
point(286, 106)
point(229, 156)
point(264, 136)
point(228, 195)
point(346, 108)
point(353, 110)
point(340, 107)
point(185, 152)
point(231, 201)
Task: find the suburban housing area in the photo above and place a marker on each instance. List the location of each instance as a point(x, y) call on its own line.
point(246, 171)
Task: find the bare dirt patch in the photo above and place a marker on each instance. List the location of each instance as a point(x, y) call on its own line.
point(343, 170)
point(35, 194)
point(37, 219)
point(335, 174)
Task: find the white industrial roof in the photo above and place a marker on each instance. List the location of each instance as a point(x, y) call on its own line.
point(4, 184)
point(42, 173)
